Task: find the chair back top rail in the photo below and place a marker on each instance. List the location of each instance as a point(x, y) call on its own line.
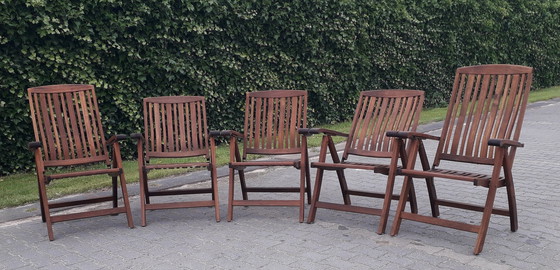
point(377, 112)
point(487, 102)
point(272, 119)
point(67, 122)
point(175, 126)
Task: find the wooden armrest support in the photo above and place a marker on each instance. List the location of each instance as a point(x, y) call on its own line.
point(504, 143)
point(311, 131)
point(225, 133)
point(116, 138)
point(411, 135)
point(34, 145)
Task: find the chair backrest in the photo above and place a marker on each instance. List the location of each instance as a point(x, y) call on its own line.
point(272, 119)
point(66, 121)
point(487, 102)
point(377, 112)
point(175, 126)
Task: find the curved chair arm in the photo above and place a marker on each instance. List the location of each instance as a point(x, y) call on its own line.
point(115, 138)
point(411, 135)
point(504, 143)
point(225, 133)
point(34, 146)
point(312, 131)
point(137, 136)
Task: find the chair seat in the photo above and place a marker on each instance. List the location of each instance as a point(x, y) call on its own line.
point(349, 165)
point(477, 178)
point(240, 165)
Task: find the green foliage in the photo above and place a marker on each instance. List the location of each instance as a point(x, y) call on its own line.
point(223, 48)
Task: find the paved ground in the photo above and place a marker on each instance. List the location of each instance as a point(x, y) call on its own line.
point(272, 238)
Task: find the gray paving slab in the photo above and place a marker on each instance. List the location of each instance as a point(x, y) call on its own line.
point(272, 237)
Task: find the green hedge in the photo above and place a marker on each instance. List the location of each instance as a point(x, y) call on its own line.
point(224, 48)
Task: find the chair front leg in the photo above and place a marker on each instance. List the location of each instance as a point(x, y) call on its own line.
point(405, 191)
point(214, 176)
point(430, 185)
point(118, 162)
point(489, 205)
point(507, 167)
point(339, 173)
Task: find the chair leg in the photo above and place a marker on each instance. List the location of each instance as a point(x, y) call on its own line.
point(308, 181)
point(144, 198)
point(45, 207)
point(389, 188)
point(412, 197)
point(43, 217)
point(214, 176)
point(510, 195)
point(429, 181)
point(485, 219)
point(316, 194)
point(115, 192)
point(302, 188)
point(230, 193)
point(125, 199)
point(243, 184)
point(328, 142)
point(400, 207)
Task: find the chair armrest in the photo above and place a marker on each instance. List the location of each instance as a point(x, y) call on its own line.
point(411, 135)
point(311, 131)
point(225, 133)
point(116, 138)
point(504, 143)
point(137, 136)
point(34, 145)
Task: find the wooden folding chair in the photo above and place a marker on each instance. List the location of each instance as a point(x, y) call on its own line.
point(175, 128)
point(482, 127)
point(68, 133)
point(272, 119)
point(377, 111)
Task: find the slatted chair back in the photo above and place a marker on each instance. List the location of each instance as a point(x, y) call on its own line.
point(272, 119)
point(67, 123)
point(380, 111)
point(175, 127)
point(487, 102)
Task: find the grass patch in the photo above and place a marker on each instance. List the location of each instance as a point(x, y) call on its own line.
point(21, 188)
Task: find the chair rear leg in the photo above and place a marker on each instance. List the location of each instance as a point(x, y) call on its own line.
point(45, 207)
point(412, 197)
point(230, 193)
point(43, 217)
point(125, 199)
point(316, 194)
point(243, 184)
point(432, 195)
point(214, 176)
point(115, 192)
point(144, 197)
point(510, 194)
point(302, 188)
point(308, 181)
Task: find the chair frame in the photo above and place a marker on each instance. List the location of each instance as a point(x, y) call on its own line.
point(64, 138)
point(468, 138)
point(276, 142)
point(376, 112)
point(171, 142)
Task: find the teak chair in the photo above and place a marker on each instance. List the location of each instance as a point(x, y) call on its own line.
point(272, 119)
point(68, 133)
point(482, 127)
point(376, 112)
point(175, 127)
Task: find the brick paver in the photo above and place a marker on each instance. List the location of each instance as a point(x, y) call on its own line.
point(272, 238)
